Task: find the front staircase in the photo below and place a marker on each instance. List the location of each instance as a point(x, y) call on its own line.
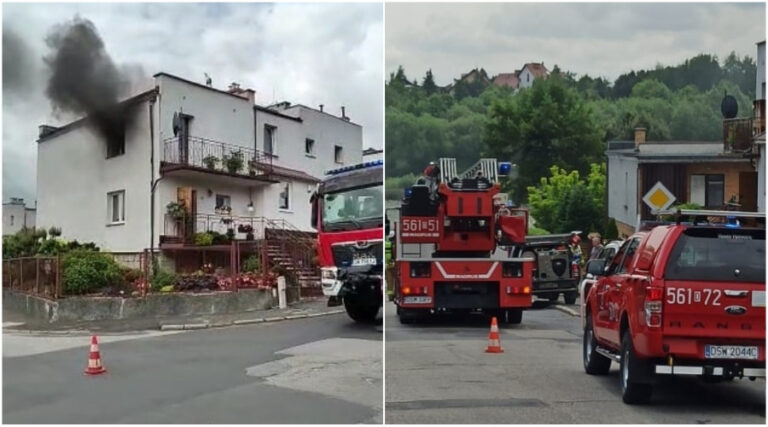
point(295, 251)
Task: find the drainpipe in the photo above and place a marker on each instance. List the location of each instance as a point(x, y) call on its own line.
point(153, 185)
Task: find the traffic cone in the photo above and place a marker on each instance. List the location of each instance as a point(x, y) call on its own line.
point(494, 345)
point(94, 359)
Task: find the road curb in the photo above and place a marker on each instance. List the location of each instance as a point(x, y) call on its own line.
point(567, 310)
point(197, 326)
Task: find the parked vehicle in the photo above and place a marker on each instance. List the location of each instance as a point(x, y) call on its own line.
point(556, 271)
point(606, 253)
point(679, 300)
point(347, 211)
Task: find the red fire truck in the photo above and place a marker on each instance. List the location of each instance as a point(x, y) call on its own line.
point(347, 212)
point(458, 246)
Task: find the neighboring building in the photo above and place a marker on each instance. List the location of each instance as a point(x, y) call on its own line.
point(530, 72)
point(709, 173)
point(474, 77)
point(371, 154)
point(183, 136)
point(759, 125)
point(16, 215)
point(510, 80)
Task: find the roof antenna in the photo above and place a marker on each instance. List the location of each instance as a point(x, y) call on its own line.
point(208, 81)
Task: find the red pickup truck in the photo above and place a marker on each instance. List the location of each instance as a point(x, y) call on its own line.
point(678, 300)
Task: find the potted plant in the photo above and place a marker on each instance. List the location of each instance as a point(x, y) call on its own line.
point(231, 233)
point(176, 210)
point(210, 161)
point(234, 161)
point(247, 229)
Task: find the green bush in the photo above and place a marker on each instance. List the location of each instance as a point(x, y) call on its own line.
point(163, 278)
point(86, 271)
point(252, 264)
point(203, 239)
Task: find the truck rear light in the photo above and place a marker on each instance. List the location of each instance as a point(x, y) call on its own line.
point(512, 269)
point(653, 306)
point(518, 290)
point(406, 290)
point(421, 269)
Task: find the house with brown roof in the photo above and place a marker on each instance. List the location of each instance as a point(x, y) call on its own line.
point(509, 80)
point(530, 72)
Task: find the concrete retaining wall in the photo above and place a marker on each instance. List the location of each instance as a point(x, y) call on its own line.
point(113, 308)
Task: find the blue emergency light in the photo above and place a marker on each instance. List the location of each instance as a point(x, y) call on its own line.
point(408, 192)
point(732, 222)
point(505, 168)
point(370, 164)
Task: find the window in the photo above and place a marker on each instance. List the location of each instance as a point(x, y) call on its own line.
point(116, 206)
point(718, 255)
point(270, 139)
point(11, 220)
point(527, 77)
point(285, 196)
point(223, 201)
point(338, 155)
point(708, 190)
point(630, 253)
point(309, 147)
point(116, 141)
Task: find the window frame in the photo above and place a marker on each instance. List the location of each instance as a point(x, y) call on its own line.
point(226, 197)
point(338, 154)
point(272, 131)
point(309, 142)
point(708, 178)
point(110, 207)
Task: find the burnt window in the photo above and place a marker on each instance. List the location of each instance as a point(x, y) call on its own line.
point(338, 154)
point(116, 142)
point(309, 147)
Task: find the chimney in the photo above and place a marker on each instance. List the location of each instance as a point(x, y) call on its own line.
point(344, 113)
point(45, 130)
point(234, 87)
point(321, 108)
point(639, 137)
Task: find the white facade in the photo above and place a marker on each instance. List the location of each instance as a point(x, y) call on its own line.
point(526, 78)
point(760, 80)
point(17, 216)
point(761, 176)
point(622, 188)
point(76, 180)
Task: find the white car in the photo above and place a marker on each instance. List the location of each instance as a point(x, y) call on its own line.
point(607, 253)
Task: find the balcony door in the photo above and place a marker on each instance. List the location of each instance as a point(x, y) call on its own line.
point(187, 196)
point(183, 135)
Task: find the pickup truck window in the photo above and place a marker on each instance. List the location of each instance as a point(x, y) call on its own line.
point(629, 254)
point(718, 255)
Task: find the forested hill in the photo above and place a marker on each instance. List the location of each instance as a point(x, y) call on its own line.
point(564, 120)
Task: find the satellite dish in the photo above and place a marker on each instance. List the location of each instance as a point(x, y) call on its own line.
point(729, 107)
point(176, 124)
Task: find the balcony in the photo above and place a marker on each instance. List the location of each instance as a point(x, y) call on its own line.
point(738, 135)
point(182, 231)
point(201, 155)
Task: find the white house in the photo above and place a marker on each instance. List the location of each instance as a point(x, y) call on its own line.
point(530, 72)
point(180, 138)
point(16, 215)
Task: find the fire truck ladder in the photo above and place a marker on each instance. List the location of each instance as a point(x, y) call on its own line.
point(487, 167)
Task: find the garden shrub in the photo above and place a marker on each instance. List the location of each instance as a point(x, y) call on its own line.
point(251, 264)
point(163, 278)
point(203, 239)
point(86, 271)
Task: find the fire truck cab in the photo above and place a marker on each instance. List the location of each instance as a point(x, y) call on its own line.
point(458, 247)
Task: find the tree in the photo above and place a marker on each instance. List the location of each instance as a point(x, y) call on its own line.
point(578, 212)
point(548, 124)
point(428, 84)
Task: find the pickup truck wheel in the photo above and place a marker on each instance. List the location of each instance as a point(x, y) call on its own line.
point(631, 392)
point(594, 362)
point(405, 316)
point(360, 311)
point(570, 297)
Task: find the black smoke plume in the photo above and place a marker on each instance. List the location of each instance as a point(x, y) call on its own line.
point(18, 68)
point(84, 79)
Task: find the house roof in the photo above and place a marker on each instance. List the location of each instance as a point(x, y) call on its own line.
point(276, 113)
point(507, 79)
point(77, 123)
point(537, 69)
point(371, 150)
point(284, 172)
point(674, 152)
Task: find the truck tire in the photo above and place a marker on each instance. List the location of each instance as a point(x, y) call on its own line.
point(552, 297)
point(513, 316)
point(631, 392)
point(594, 362)
point(360, 311)
point(406, 316)
point(571, 297)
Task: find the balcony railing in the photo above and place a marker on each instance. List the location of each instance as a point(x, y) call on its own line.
point(215, 156)
point(738, 134)
point(183, 230)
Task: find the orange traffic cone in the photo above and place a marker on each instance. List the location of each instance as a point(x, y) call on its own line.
point(94, 359)
point(494, 345)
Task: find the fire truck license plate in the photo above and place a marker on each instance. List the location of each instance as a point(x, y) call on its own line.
point(730, 352)
point(418, 300)
point(363, 260)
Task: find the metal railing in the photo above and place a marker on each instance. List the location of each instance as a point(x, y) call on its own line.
point(738, 134)
point(216, 156)
point(39, 276)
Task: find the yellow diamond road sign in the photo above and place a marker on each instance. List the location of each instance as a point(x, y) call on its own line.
point(658, 198)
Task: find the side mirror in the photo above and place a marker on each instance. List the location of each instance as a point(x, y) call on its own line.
point(596, 267)
point(313, 215)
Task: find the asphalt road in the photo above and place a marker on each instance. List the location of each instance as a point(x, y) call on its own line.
point(316, 370)
point(439, 373)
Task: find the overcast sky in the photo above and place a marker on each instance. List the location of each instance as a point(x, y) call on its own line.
point(304, 53)
point(599, 39)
